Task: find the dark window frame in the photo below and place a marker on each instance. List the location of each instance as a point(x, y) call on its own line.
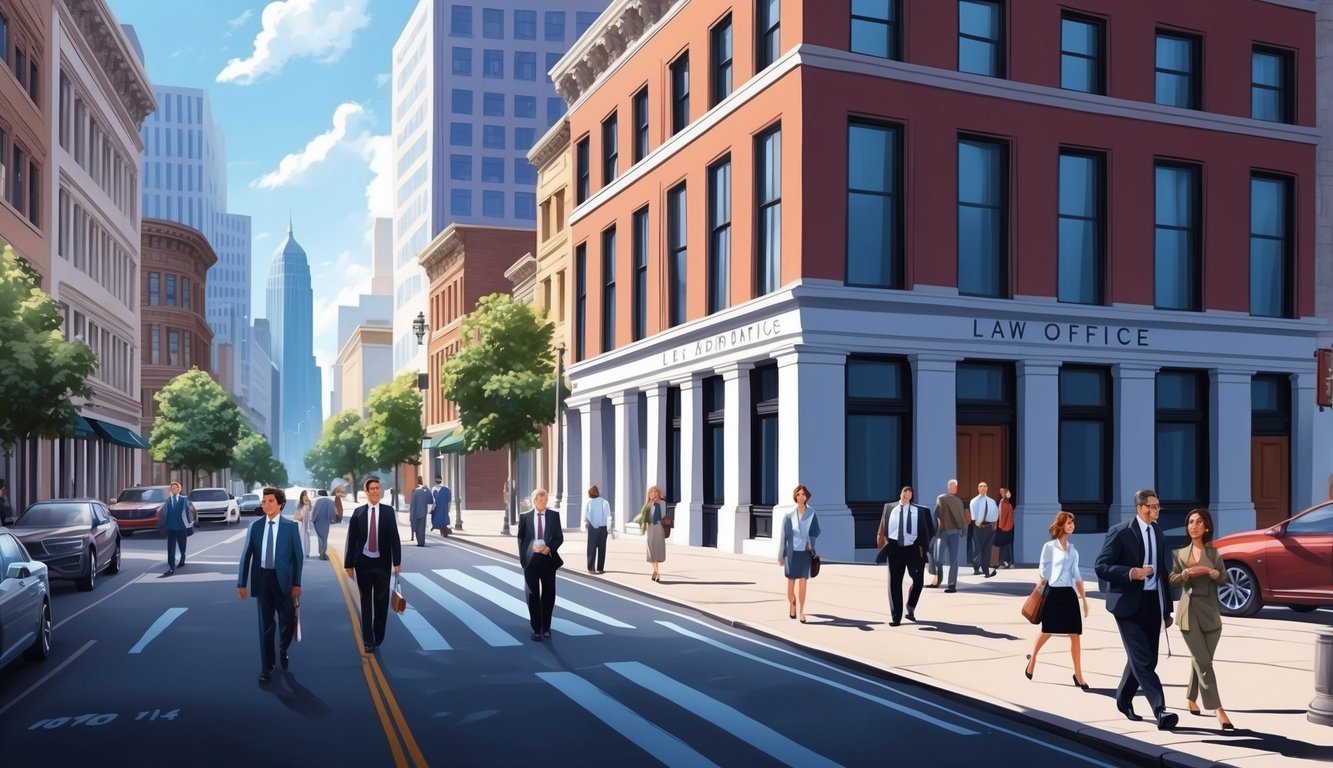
point(1098, 60)
point(580, 301)
point(723, 64)
point(1002, 244)
point(677, 255)
point(610, 148)
point(999, 53)
point(1194, 75)
point(1091, 515)
point(768, 34)
point(891, 30)
point(609, 289)
point(583, 173)
point(763, 411)
point(866, 512)
point(1195, 231)
point(768, 251)
point(1284, 90)
point(896, 268)
point(640, 116)
point(680, 93)
point(718, 256)
point(1098, 220)
point(1175, 510)
point(639, 255)
point(1286, 241)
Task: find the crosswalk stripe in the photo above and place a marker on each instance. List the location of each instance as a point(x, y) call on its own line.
point(426, 635)
point(163, 621)
point(484, 628)
point(515, 579)
point(668, 749)
point(752, 731)
point(509, 602)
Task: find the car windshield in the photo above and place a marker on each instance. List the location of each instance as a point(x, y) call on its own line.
point(55, 516)
point(250, 497)
point(136, 495)
point(208, 494)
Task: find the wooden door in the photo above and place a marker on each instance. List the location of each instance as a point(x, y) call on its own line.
point(983, 456)
point(1270, 479)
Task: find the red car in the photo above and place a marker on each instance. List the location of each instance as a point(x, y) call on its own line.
point(1289, 564)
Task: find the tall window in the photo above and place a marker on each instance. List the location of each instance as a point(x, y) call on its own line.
point(719, 235)
point(493, 23)
point(879, 425)
point(673, 470)
point(525, 25)
point(1177, 75)
point(581, 301)
point(581, 162)
point(722, 55)
point(171, 291)
point(462, 61)
point(874, 184)
point(492, 63)
point(1086, 456)
point(1182, 444)
point(680, 93)
point(610, 150)
point(609, 289)
point(639, 297)
point(460, 167)
point(768, 205)
point(767, 33)
point(1270, 86)
point(764, 493)
point(875, 28)
point(460, 20)
point(981, 37)
point(1270, 246)
point(983, 217)
point(1082, 54)
point(555, 26)
point(154, 297)
point(641, 124)
point(1082, 227)
point(1176, 240)
point(677, 239)
point(713, 430)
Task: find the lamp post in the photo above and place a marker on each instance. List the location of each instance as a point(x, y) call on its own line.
point(559, 454)
point(423, 379)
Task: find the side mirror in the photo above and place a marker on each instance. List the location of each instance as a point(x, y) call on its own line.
point(17, 571)
point(1275, 531)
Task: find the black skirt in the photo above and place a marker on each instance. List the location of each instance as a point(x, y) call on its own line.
point(1062, 614)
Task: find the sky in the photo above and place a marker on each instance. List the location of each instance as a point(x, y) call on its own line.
point(301, 91)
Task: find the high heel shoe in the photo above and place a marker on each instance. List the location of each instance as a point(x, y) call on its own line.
point(1227, 726)
point(1084, 686)
point(1027, 671)
point(792, 613)
point(1192, 707)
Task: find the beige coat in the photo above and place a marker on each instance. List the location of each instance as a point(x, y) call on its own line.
point(1198, 597)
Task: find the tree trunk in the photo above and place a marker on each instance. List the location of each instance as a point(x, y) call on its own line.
point(513, 483)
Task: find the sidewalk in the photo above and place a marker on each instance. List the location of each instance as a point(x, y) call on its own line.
point(972, 643)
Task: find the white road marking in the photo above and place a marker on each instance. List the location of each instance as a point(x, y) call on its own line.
point(163, 621)
point(515, 579)
point(182, 578)
point(668, 749)
point(484, 628)
point(426, 635)
point(508, 602)
point(47, 676)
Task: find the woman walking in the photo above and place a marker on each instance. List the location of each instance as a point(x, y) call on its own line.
point(1004, 530)
point(304, 509)
point(650, 521)
point(1197, 569)
point(1059, 571)
point(800, 528)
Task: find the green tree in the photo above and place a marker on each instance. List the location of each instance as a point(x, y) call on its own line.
point(393, 430)
point(340, 449)
point(43, 378)
point(503, 379)
point(198, 424)
point(253, 463)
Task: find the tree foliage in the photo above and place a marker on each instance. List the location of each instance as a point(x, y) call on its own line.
point(41, 375)
point(393, 429)
point(253, 462)
point(340, 450)
point(198, 424)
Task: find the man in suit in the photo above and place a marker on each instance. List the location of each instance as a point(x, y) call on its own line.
point(539, 540)
point(272, 561)
point(418, 509)
point(321, 517)
point(177, 525)
point(373, 548)
point(985, 514)
point(1133, 565)
point(439, 516)
point(904, 531)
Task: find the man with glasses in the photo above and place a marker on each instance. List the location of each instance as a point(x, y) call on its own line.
point(1133, 569)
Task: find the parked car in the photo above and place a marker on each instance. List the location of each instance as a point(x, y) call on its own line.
point(249, 503)
point(141, 508)
point(1288, 564)
point(215, 505)
point(25, 603)
point(76, 538)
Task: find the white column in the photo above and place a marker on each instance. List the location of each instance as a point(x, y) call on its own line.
point(812, 441)
point(1310, 455)
point(628, 476)
point(934, 439)
point(1135, 424)
point(1038, 483)
point(578, 416)
point(690, 506)
point(656, 438)
point(1229, 433)
point(733, 519)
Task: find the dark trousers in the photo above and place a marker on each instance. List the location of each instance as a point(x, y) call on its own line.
point(983, 537)
point(540, 581)
point(175, 539)
point(904, 559)
point(372, 582)
point(1140, 635)
point(419, 530)
point(277, 616)
point(597, 548)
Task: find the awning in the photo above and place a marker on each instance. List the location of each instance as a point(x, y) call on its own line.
point(118, 434)
point(82, 428)
point(453, 444)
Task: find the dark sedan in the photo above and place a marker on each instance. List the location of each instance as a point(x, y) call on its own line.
point(76, 538)
point(1288, 564)
point(25, 603)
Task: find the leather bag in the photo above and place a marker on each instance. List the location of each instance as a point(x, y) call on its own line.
point(396, 600)
point(666, 527)
point(1035, 604)
point(814, 563)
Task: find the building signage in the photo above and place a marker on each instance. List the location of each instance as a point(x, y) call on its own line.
point(721, 342)
point(1088, 335)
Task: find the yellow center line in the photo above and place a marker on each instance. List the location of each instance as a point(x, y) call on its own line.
point(396, 730)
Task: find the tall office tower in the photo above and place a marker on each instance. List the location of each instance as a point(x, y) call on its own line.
point(470, 98)
point(291, 317)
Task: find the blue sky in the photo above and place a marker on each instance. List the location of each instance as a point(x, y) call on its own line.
point(301, 91)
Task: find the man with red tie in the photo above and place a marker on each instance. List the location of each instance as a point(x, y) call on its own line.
point(373, 548)
point(539, 540)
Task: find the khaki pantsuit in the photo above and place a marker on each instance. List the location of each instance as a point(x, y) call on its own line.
point(1199, 618)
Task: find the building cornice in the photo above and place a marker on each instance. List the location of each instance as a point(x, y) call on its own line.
point(622, 24)
point(551, 145)
point(184, 239)
point(442, 253)
point(122, 66)
point(522, 270)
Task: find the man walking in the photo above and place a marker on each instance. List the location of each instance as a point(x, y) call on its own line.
point(1133, 566)
point(373, 547)
point(985, 514)
point(904, 529)
point(321, 517)
point(418, 509)
point(596, 517)
point(272, 561)
point(177, 526)
point(951, 520)
point(539, 540)
point(439, 516)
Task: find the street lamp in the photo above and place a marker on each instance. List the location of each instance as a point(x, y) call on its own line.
point(423, 379)
point(419, 327)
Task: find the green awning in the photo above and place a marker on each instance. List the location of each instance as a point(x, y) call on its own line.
point(119, 435)
point(453, 444)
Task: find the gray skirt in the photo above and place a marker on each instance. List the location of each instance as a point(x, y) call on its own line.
point(656, 543)
point(798, 565)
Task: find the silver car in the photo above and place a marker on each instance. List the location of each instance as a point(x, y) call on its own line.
point(215, 505)
point(25, 603)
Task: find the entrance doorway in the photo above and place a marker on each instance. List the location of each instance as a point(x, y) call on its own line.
point(1270, 480)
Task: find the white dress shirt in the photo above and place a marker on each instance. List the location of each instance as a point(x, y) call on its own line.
point(372, 521)
point(895, 520)
point(984, 510)
point(1150, 554)
point(1059, 567)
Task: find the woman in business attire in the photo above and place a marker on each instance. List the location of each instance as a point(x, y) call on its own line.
point(1058, 570)
point(1004, 529)
point(1197, 569)
point(650, 521)
point(800, 528)
point(304, 509)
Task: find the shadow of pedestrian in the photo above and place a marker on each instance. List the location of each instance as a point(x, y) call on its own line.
point(300, 699)
point(1269, 742)
point(827, 620)
point(709, 583)
point(964, 630)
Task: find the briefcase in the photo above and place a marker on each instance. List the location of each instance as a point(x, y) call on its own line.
point(397, 601)
point(814, 564)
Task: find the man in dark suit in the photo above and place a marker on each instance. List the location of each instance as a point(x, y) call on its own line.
point(439, 516)
point(539, 540)
point(272, 561)
point(904, 531)
point(418, 509)
point(1133, 567)
point(177, 521)
point(372, 548)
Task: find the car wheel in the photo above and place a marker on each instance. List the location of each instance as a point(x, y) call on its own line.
point(113, 567)
point(89, 579)
point(41, 645)
point(1304, 608)
point(1239, 597)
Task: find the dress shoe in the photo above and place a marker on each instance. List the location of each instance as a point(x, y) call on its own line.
point(546, 633)
point(181, 564)
point(171, 571)
point(266, 676)
point(949, 590)
point(323, 557)
point(895, 623)
point(1167, 720)
point(1128, 711)
point(599, 573)
point(911, 613)
point(976, 571)
point(284, 661)
point(1084, 686)
point(990, 573)
point(537, 636)
point(932, 586)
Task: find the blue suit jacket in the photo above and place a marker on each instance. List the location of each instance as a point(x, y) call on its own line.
point(288, 559)
point(1122, 550)
point(177, 514)
point(439, 517)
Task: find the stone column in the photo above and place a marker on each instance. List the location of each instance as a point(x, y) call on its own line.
point(934, 439)
point(655, 464)
point(628, 475)
point(733, 519)
point(690, 506)
point(1310, 478)
point(1229, 433)
point(1135, 441)
point(1038, 482)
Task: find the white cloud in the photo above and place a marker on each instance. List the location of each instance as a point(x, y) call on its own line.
point(351, 279)
point(239, 20)
point(381, 79)
point(294, 165)
point(378, 152)
point(293, 29)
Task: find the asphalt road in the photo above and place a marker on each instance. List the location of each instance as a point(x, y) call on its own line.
point(165, 669)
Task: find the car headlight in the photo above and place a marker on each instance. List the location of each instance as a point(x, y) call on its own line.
point(62, 546)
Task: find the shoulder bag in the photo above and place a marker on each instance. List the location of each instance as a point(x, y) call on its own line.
point(814, 563)
point(1036, 603)
point(396, 600)
point(666, 527)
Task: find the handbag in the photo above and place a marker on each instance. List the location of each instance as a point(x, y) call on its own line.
point(1035, 604)
point(666, 527)
point(814, 563)
point(396, 600)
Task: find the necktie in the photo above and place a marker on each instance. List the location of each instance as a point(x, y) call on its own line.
point(902, 525)
point(374, 531)
point(269, 545)
point(538, 514)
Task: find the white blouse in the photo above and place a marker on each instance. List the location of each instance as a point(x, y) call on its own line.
point(1059, 567)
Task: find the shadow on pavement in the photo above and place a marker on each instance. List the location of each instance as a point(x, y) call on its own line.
point(298, 698)
point(1271, 742)
point(692, 582)
point(828, 620)
point(964, 630)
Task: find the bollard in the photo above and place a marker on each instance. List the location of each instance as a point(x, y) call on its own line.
point(1321, 706)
